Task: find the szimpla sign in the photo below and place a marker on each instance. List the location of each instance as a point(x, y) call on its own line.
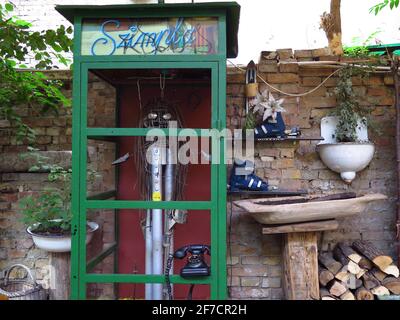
point(145, 36)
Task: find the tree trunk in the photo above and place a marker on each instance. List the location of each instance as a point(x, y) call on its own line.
point(331, 23)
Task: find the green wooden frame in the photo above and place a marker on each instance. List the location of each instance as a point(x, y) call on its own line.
point(81, 133)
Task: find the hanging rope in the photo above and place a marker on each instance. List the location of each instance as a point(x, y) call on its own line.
point(286, 93)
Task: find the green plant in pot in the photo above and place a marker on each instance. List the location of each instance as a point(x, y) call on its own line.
point(346, 148)
point(48, 214)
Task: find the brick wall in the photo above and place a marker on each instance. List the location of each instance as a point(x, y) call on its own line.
point(54, 140)
point(254, 260)
point(255, 268)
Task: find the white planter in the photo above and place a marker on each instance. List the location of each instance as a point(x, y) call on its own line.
point(346, 158)
point(59, 243)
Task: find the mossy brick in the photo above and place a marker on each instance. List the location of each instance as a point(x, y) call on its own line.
point(250, 281)
point(283, 78)
point(268, 67)
point(294, 174)
point(272, 260)
point(292, 67)
point(303, 53)
point(250, 260)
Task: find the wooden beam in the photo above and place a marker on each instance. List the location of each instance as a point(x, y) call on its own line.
point(302, 227)
point(300, 256)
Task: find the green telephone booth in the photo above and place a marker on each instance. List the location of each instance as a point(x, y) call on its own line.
point(127, 46)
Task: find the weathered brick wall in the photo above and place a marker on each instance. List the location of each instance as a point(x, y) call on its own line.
point(54, 138)
point(256, 266)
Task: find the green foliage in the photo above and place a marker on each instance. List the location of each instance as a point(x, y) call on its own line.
point(382, 5)
point(50, 210)
point(359, 48)
point(18, 44)
point(250, 122)
point(348, 110)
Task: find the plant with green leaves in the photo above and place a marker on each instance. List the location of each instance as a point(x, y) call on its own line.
point(49, 212)
point(382, 5)
point(21, 86)
point(349, 112)
point(359, 47)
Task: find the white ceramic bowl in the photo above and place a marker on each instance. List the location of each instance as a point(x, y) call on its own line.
point(346, 158)
point(59, 243)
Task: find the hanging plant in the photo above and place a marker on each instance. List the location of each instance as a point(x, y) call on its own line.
point(348, 110)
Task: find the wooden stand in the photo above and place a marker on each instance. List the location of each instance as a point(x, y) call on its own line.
point(60, 284)
point(300, 257)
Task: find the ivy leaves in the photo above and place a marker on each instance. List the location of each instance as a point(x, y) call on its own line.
point(25, 87)
point(380, 6)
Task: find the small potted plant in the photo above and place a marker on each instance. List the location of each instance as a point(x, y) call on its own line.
point(48, 214)
point(346, 148)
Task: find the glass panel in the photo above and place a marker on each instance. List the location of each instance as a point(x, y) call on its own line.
point(149, 36)
point(101, 291)
point(137, 233)
point(185, 94)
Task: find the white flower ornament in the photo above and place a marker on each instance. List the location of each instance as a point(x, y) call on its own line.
point(266, 105)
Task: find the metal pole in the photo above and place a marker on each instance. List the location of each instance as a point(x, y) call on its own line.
point(157, 219)
point(149, 255)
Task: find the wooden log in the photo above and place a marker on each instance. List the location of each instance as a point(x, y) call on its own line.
point(329, 263)
point(336, 288)
point(60, 263)
point(353, 283)
point(380, 275)
point(364, 294)
point(349, 252)
point(300, 258)
point(343, 275)
point(348, 295)
point(329, 298)
point(339, 256)
point(353, 268)
point(302, 227)
point(392, 284)
point(325, 294)
point(377, 257)
point(361, 273)
point(392, 270)
point(365, 263)
point(370, 281)
point(325, 276)
point(380, 291)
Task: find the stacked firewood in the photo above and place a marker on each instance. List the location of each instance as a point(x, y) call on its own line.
point(357, 272)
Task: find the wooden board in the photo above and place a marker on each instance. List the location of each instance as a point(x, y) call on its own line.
point(300, 256)
point(303, 212)
point(302, 227)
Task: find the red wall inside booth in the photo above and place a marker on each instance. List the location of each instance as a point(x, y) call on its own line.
point(194, 103)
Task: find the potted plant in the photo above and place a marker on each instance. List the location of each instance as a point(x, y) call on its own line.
point(346, 148)
point(48, 214)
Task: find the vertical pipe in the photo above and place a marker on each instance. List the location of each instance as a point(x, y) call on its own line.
point(157, 219)
point(149, 255)
point(169, 196)
point(396, 75)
